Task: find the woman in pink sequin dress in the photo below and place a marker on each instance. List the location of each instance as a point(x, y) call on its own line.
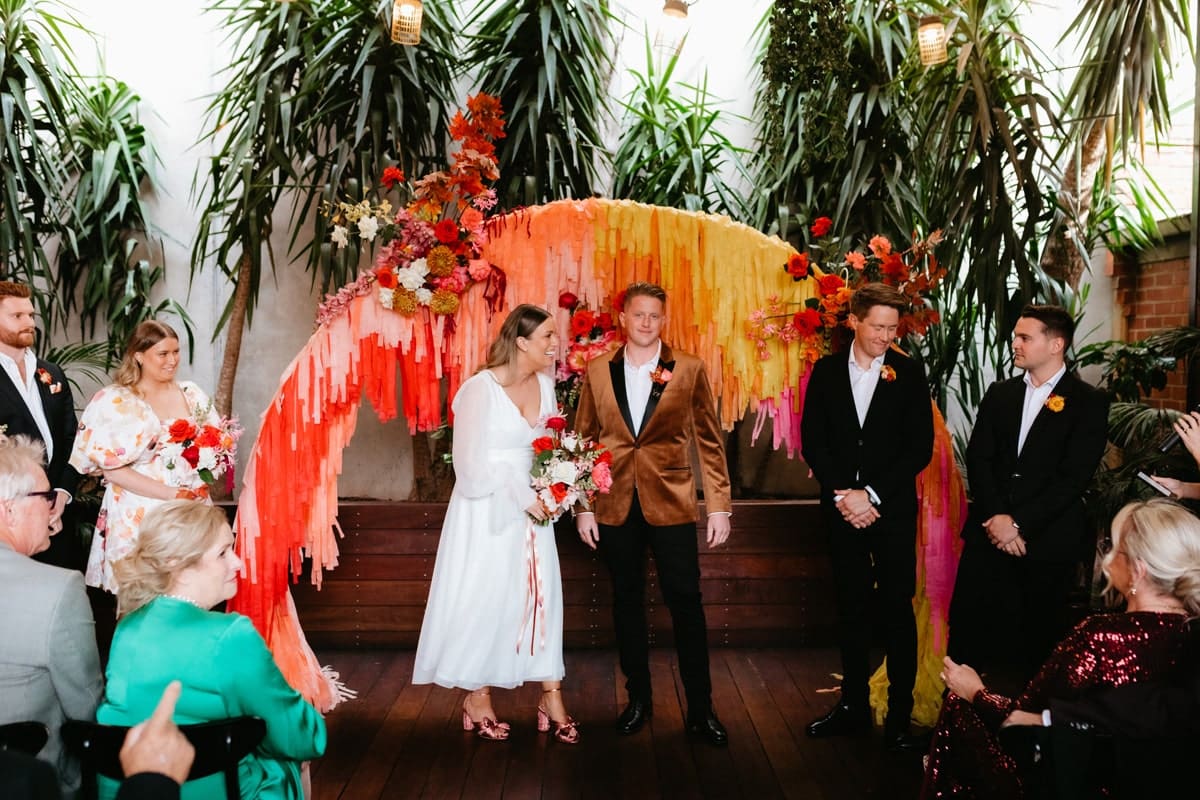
point(1155, 565)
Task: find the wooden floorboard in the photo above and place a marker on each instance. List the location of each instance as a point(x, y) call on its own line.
point(397, 740)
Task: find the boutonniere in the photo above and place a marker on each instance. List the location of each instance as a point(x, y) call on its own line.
point(887, 373)
point(660, 375)
point(48, 379)
point(1056, 403)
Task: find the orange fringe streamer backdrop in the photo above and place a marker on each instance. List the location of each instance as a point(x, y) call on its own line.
point(715, 271)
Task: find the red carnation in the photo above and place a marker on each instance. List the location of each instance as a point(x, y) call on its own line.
point(605, 457)
point(446, 231)
point(542, 444)
point(181, 430)
point(392, 176)
point(582, 323)
point(192, 455)
point(557, 423)
point(797, 266)
point(567, 300)
point(807, 321)
point(385, 278)
point(821, 226)
point(831, 283)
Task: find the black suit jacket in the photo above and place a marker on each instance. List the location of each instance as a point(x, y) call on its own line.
point(890, 448)
point(1042, 488)
point(59, 405)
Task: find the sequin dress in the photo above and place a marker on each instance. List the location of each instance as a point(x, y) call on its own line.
point(1105, 650)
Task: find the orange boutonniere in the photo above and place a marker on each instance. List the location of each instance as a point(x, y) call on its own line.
point(1056, 403)
point(886, 373)
point(660, 375)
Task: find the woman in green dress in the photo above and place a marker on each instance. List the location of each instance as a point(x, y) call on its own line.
point(182, 566)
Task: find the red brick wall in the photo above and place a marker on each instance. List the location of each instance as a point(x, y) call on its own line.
point(1153, 295)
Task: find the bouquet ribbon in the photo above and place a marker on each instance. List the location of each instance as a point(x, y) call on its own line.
point(535, 600)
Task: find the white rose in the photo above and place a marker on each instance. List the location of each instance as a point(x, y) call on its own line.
point(368, 227)
point(410, 279)
point(387, 298)
point(424, 296)
point(569, 441)
point(339, 236)
point(564, 472)
point(207, 460)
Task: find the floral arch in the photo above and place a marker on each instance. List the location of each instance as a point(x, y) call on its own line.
point(716, 272)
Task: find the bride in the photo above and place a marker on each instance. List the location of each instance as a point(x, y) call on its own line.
point(495, 610)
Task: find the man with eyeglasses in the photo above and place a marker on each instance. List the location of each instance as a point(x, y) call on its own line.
point(35, 400)
point(49, 665)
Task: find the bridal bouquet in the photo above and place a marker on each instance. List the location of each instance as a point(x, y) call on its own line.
point(209, 450)
point(568, 467)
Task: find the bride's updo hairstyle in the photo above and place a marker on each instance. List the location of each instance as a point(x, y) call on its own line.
point(1165, 537)
point(172, 537)
point(521, 322)
point(145, 335)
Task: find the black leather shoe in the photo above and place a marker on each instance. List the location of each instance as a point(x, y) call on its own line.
point(634, 717)
point(842, 720)
point(710, 728)
point(902, 741)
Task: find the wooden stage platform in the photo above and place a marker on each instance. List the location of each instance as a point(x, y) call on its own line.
point(402, 741)
point(769, 586)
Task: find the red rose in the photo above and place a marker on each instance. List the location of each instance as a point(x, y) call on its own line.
point(831, 283)
point(821, 226)
point(446, 231)
point(392, 176)
point(807, 321)
point(209, 437)
point(797, 266)
point(582, 323)
point(542, 444)
point(567, 300)
point(604, 458)
point(557, 423)
point(559, 490)
point(192, 455)
point(181, 430)
point(385, 278)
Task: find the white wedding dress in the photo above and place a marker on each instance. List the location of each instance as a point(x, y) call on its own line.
point(495, 610)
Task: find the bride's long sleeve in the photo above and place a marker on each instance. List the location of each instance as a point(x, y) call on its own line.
point(476, 475)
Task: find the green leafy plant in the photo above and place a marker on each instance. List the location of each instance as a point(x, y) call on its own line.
point(671, 151)
point(317, 101)
point(549, 62)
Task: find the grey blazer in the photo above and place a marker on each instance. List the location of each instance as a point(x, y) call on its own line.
point(49, 667)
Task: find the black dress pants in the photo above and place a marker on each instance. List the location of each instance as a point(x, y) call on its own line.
point(880, 558)
point(623, 549)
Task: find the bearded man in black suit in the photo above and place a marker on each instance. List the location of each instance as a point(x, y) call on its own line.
point(1036, 444)
point(867, 432)
point(36, 400)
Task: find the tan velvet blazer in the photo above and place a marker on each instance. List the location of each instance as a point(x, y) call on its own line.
point(657, 460)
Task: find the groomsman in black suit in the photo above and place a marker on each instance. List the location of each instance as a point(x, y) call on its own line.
point(867, 432)
point(1036, 443)
point(35, 400)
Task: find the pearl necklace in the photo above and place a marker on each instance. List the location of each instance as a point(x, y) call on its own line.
point(183, 599)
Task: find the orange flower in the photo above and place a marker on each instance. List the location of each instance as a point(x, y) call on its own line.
point(182, 430)
point(856, 260)
point(1056, 403)
point(444, 301)
point(441, 261)
point(385, 278)
point(894, 269)
point(830, 283)
point(797, 266)
point(887, 374)
point(391, 176)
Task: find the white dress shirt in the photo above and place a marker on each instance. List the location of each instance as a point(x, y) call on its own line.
point(638, 385)
point(1035, 398)
point(863, 383)
point(28, 389)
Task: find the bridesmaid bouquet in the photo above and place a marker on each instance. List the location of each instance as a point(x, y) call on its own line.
point(209, 450)
point(568, 467)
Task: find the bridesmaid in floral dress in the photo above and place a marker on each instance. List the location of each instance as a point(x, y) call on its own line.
point(122, 437)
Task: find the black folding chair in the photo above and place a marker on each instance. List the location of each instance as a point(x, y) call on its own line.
point(24, 737)
point(220, 745)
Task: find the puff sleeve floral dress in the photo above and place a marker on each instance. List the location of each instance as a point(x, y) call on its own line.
point(120, 429)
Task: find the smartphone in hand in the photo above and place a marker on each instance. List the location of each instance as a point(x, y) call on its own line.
point(1158, 487)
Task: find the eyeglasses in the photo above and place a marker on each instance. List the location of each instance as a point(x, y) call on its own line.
point(50, 496)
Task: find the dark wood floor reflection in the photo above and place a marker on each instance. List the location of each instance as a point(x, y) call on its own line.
point(398, 740)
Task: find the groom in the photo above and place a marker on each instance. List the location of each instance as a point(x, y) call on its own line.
point(648, 404)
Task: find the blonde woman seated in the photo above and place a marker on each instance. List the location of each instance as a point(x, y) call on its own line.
point(1154, 565)
point(182, 565)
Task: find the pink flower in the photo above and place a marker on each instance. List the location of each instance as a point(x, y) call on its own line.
point(602, 477)
point(479, 269)
point(880, 246)
point(856, 260)
point(471, 219)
